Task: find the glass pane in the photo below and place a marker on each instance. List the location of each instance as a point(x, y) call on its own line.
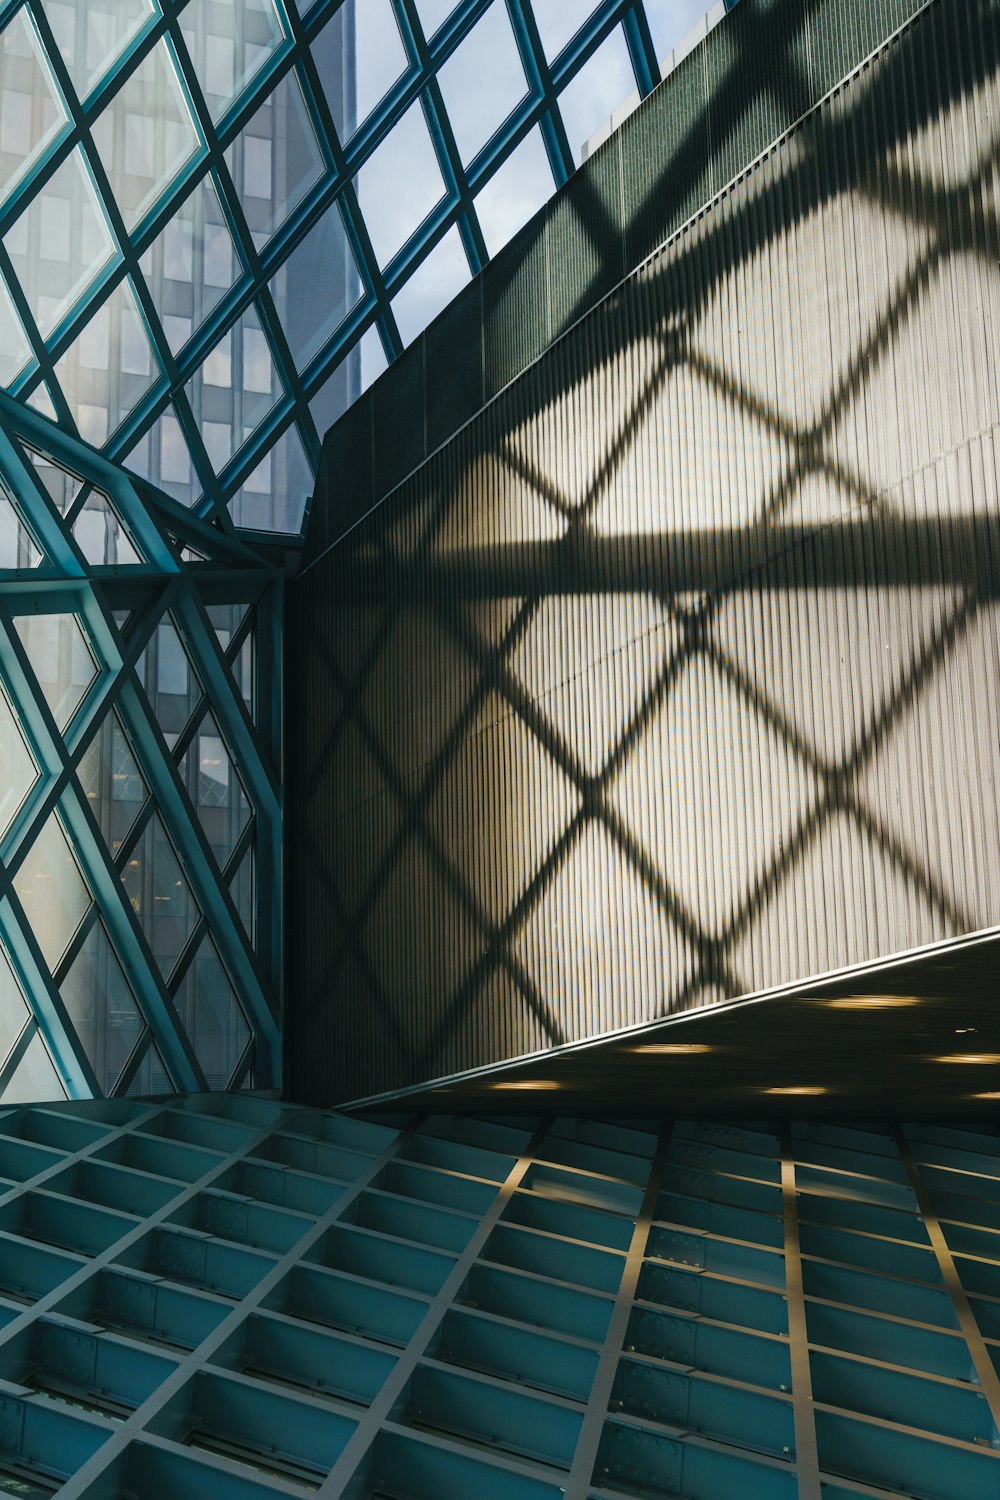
point(61, 659)
point(62, 486)
point(91, 34)
point(191, 265)
point(557, 22)
point(515, 192)
point(52, 891)
point(162, 456)
point(17, 545)
point(145, 135)
point(433, 13)
point(169, 679)
point(112, 782)
point(273, 496)
point(229, 44)
point(482, 81)
point(109, 368)
point(60, 243)
point(13, 1008)
point(211, 1015)
point(160, 895)
point(276, 159)
point(670, 21)
point(36, 1080)
point(151, 1077)
point(101, 1007)
point(17, 767)
point(432, 286)
point(100, 534)
point(591, 98)
point(234, 389)
point(369, 31)
point(15, 351)
point(215, 789)
point(226, 620)
point(31, 111)
point(323, 259)
point(399, 184)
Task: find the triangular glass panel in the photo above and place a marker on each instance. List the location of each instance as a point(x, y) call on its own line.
point(53, 893)
point(160, 895)
point(215, 789)
point(61, 486)
point(226, 620)
point(18, 548)
point(36, 1080)
point(112, 782)
point(61, 659)
point(101, 1006)
point(18, 771)
point(41, 400)
point(209, 1011)
point(241, 890)
point(170, 681)
point(13, 1008)
point(151, 1077)
point(101, 535)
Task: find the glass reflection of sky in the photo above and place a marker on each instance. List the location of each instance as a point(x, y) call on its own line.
point(220, 221)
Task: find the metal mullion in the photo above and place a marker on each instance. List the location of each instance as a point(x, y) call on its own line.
point(75, 944)
point(45, 168)
point(986, 1373)
point(803, 1411)
point(201, 929)
point(241, 1069)
point(13, 1059)
point(541, 87)
point(641, 49)
point(339, 1481)
point(39, 358)
point(133, 1063)
point(585, 1458)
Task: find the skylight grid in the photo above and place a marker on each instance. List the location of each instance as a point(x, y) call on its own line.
point(196, 196)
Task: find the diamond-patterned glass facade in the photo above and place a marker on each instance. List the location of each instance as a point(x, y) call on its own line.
point(138, 791)
point(218, 222)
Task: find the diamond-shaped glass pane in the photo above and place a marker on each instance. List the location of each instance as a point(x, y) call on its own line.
point(234, 389)
point(101, 1006)
point(229, 44)
point(35, 1080)
point(112, 782)
point(514, 192)
point(171, 683)
point(109, 368)
point(91, 34)
point(52, 891)
point(145, 135)
point(151, 1076)
point(61, 486)
point(162, 456)
point(212, 1017)
point(31, 111)
point(101, 535)
point(15, 351)
point(434, 13)
point(17, 767)
point(17, 545)
point(431, 287)
point(215, 789)
point(273, 496)
point(369, 29)
point(191, 265)
point(13, 1009)
point(557, 22)
point(160, 895)
point(399, 184)
point(60, 243)
point(61, 659)
point(482, 81)
point(323, 259)
point(276, 159)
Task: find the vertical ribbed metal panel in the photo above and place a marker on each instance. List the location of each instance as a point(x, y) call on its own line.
point(674, 675)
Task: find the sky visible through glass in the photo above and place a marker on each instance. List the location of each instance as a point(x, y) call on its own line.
point(218, 223)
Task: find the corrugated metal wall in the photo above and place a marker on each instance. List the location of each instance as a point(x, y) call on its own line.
point(675, 674)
